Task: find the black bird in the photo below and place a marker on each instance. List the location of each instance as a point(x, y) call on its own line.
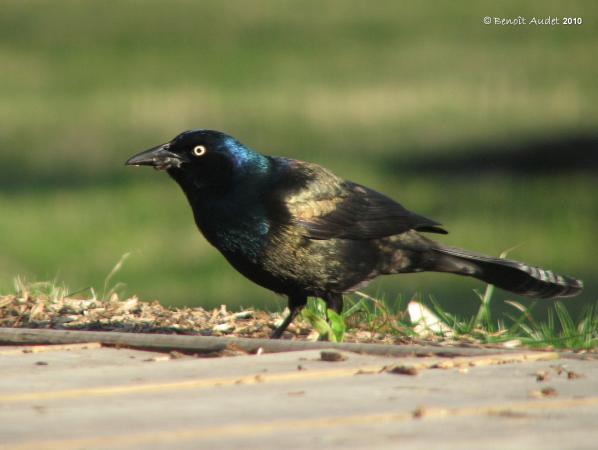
point(297, 229)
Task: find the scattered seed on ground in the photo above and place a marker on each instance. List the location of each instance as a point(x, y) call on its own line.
point(332, 356)
point(134, 315)
point(544, 393)
point(403, 370)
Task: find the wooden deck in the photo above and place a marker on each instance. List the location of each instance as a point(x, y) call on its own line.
point(90, 396)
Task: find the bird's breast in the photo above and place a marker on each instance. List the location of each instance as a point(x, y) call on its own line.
point(233, 230)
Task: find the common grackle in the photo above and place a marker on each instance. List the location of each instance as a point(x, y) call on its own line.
point(297, 229)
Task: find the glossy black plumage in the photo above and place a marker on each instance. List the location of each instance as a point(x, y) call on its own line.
point(297, 229)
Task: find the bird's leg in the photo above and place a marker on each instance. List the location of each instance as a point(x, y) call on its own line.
point(334, 301)
point(296, 304)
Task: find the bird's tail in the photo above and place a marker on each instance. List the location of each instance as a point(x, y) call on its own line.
point(506, 274)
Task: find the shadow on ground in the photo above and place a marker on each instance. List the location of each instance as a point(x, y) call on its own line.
point(530, 156)
point(518, 156)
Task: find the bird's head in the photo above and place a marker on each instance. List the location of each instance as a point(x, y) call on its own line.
point(203, 158)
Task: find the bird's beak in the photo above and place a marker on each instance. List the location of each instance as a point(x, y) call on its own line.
point(159, 157)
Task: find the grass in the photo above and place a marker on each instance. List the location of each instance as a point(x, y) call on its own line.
point(364, 91)
point(559, 331)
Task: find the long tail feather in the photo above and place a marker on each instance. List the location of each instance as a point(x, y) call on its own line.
point(507, 274)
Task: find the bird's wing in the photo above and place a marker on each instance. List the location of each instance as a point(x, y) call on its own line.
point(324, 206)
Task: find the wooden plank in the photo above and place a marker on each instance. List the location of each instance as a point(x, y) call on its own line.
point(317, 375)
point(298, 400)
point(12, 351)
point(25, 367)
point(310, 425)
point(201, 383)
point(213, 344)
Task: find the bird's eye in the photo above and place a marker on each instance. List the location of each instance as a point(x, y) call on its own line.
point(199, 150)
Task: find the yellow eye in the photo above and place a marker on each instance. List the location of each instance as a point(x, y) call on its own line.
point(199, 150)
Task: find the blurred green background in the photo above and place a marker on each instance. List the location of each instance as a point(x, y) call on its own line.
point(489, 129)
